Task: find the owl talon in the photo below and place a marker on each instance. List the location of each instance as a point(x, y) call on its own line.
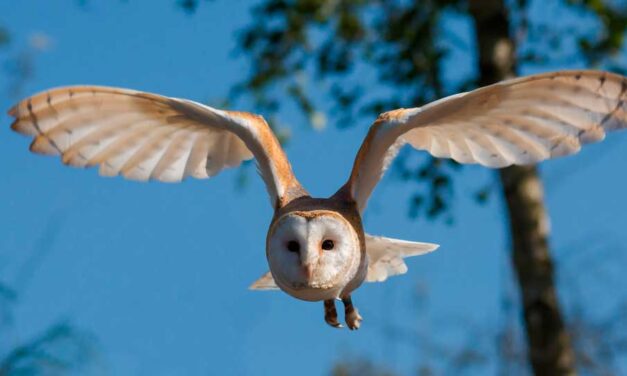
point(353, 319)
point(351, 315)
point(336, 324)
point(330, 314)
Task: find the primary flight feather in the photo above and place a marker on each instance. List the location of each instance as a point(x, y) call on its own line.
point(316, 247)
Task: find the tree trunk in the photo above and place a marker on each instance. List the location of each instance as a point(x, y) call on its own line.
point(549, 348)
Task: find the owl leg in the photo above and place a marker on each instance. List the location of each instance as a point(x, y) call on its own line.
point(330, 314)
point(351, 315)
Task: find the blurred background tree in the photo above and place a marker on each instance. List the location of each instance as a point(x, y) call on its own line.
point(413, 52)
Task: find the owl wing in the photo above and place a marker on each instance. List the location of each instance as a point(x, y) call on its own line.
point(385, 256)
point(144, 136)
point(518, 121)
point(266, 282)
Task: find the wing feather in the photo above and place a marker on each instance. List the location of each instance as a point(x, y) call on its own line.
point(520, 121)
point(197, 162)
point(170, 166)
point(385, 256)
point(145, 136)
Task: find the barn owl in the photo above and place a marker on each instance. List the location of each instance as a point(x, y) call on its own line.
point(316, 247)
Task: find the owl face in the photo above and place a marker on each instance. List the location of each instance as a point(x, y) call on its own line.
point(312, 254)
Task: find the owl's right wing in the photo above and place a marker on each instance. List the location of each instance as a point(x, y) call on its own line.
point(144, 136)
point(519, 121)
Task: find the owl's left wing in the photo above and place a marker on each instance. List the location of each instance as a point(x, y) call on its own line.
point(144, 136)
point(518, 121)
point(385, 256)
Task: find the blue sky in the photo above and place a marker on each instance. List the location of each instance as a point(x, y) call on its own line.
point(159, 273)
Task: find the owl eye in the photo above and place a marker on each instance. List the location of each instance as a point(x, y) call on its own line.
point(293, 246)
point(328, 245)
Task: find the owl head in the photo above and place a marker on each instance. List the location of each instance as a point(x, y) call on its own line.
point(311, 252)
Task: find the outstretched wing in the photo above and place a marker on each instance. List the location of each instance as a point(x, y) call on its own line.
point(385, 256)
point(145, 136)
point(519, 121)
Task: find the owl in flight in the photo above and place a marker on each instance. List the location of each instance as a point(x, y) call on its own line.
point(316, 247)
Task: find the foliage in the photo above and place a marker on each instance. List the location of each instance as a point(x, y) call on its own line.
point(610, 36)
point(58, 350)
point(369, 56)
point(18, 63)
point(340, 42)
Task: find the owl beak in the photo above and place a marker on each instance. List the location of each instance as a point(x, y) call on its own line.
point(308, 270)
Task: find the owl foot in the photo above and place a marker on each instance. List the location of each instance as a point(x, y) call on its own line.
point(330, 314)
point(351, 315)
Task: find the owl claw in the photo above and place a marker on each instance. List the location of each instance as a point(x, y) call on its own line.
point(334, 323)
point(353, 319)
point(330, 314)
point(351, 315)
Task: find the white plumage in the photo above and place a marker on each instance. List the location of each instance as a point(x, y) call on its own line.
point(144, 136)
point(520, 121)
point(385, 256)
